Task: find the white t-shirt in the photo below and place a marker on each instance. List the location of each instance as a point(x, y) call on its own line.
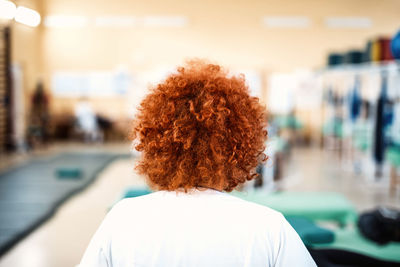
point(199, 228)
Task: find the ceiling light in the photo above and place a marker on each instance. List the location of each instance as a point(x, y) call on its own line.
point(115, 21)
point(348, 22)
point(286, 21)
point(65, 21)
point(7, 9)
point(164, 21)
point(27, 16)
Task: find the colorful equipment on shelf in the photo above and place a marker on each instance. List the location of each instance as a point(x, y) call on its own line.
point(395, 46)
point(354, 57)
point(385, 51)
point(335, 59)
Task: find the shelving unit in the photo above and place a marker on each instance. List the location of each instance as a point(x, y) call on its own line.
point(5, 89)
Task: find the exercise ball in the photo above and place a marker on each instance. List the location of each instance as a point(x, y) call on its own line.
point(395, 46)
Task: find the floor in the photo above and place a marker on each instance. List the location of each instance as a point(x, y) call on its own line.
point(311, 169)
point(62, 240)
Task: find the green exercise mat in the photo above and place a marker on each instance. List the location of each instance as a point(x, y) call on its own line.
point(393, 155)
point(323, 206)
point(69, 172)
point(290, 122)
point(351, 240)
point(362, 135)
point(30, 193)
point(309, 232)
point(333, 127)
point(135, 192)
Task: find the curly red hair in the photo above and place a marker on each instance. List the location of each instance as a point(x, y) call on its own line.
point(200, 128)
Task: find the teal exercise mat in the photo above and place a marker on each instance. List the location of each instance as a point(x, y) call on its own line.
point(362, 135)
point(135, 192)
point(316, 206)
point(289, 121)
point(32, 192)
point(309, 232)
point(132, 191)
point(349, 239)
point(333, 127)
point(393, 155)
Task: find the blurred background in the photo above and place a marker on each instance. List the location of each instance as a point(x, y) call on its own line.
point(72, 74)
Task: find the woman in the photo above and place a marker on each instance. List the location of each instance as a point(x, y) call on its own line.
point(200, 134)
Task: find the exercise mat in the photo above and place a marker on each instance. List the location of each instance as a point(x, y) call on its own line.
point(315, 206)
point(32, 192)
point(349, 239)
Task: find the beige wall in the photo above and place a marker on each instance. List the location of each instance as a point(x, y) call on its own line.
point(229, 32)
point(27, 53)
point(27, 47)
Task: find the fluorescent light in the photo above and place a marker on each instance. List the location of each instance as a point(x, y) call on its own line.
point(286, 21)
point(65, 21)
point(27, 16)
point(164, 21)
point(7, 9)
point(348, 22)
point(115, 21)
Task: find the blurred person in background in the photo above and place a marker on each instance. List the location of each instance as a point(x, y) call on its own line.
point(39, 117)
point(200, 135)
point(87, 121)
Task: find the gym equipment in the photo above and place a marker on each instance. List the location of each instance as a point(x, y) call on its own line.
point(393, 156)
point(354, 57)
point(69, 173)
point(31, 193)
point(335, 59)
point(381, 122)
point(381, 225)
point(351, 240)
point(309, 232)
point(386, 53)
point(367, 52)
point(135, 192)
point(315, 206)
point(338, 257)
point(288, 121)
point(395, 46)
point(375, 51)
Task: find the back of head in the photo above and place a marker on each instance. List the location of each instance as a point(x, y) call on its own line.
point(200, 128)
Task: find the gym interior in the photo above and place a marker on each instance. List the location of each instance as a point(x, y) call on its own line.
point(73, 73)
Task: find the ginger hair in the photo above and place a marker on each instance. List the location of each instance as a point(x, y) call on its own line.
point(199, 128)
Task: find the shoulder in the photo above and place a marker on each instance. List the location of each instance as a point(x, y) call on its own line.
point(253, 207)
point(134, 202)
point(258, 214)
point(218, 202)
